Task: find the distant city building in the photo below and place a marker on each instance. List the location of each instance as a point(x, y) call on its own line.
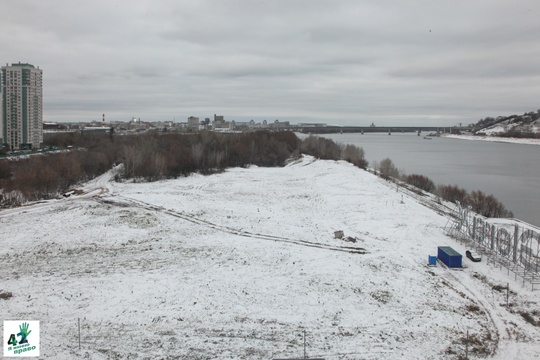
point(22, 106)
point(219, 122)
point(193, 123)
point(97, 130)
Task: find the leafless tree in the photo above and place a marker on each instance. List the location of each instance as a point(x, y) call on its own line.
point(354, 155)
point(388, 169)
point(421, 182)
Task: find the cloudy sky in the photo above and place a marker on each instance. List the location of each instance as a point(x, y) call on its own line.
point(348, 62)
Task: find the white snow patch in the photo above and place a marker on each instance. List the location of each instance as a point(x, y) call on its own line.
point(237, 265)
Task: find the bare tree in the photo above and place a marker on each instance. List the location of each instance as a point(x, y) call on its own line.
point(452, 193)
point(388, 169)
point(354, 155)
point(421, 182)
point(487, 205)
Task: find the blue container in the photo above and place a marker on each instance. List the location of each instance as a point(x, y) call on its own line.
point(449, 256)
point(432, 261)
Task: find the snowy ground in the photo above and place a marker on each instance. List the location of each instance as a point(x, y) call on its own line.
point(496, 139)
point(237, 265)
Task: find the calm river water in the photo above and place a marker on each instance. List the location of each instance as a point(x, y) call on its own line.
point(510, 172)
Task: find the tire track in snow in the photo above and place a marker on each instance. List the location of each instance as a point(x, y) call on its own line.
point(497, 324)
point(231, 230)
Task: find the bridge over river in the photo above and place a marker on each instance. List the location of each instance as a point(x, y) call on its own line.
point(375, 129)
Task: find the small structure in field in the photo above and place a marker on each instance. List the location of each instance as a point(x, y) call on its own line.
point(449, 257)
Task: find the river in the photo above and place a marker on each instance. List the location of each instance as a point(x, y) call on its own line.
point(510, 172)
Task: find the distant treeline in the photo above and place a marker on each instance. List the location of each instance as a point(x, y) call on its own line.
point(151, 157)
point(518, 125)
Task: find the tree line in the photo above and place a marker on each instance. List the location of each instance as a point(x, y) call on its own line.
point(153, 156)
point(156, 156)
point(480, 203)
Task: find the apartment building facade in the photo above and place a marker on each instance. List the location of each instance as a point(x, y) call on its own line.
point(22, 106)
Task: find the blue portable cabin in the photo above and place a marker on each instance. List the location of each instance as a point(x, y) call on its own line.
point(449, 256)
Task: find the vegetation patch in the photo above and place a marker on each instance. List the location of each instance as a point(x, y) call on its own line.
point(499, 288)
point(472, 308)
point(381, 296)
point(5, 295)
point(528, 317)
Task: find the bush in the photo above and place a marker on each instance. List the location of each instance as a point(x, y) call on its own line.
point(388, 169)
point(486, 205)
point(320, 148)
point(480, 203)
point(421, 182)
point(452, 193)
point(354, 155)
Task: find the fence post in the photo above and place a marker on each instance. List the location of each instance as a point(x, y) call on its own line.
point(474, 229)
point(492, 237)
point(467, 346)
point(516, 238)
point(305, 344)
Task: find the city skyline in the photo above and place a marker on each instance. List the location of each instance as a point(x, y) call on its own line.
point(348, 63)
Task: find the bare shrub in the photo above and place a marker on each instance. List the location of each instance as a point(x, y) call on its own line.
point(529, 318)
point(421, 182)
point(320, 148)
point(486, 205)
point(12, 198)
point(472, 308)
point(388, 169)
point(5, 170)
point(354, 155)
point(451, 193)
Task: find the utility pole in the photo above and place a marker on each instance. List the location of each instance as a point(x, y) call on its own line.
point(305, 344)
point(467, 346)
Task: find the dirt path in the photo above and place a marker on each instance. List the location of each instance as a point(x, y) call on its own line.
point(228, 229)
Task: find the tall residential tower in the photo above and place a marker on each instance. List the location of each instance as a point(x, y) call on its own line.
point(22, 106)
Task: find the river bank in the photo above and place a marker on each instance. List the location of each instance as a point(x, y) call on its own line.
point(506, 170)
point(495, 139)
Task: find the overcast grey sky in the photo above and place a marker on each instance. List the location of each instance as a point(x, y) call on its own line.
point(348, 62)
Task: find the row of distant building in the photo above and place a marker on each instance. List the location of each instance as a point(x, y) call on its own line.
point(21, 115)
point(192, 124)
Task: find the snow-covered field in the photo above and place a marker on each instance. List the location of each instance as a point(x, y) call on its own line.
point(238, 265)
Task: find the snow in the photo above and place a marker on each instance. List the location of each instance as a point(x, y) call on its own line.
point(496, 139)
point(237, 265)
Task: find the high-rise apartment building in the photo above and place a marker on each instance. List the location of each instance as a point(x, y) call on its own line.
point(22, 106)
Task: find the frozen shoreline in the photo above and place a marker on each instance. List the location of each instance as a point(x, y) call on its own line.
point(496, 139)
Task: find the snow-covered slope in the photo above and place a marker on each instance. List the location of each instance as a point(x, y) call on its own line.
point(514, 123)
point(238, 265)
point(496, 139)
